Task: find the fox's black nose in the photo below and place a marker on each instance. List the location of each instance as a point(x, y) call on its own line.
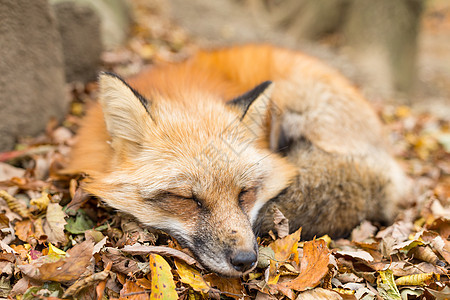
point(243, 260)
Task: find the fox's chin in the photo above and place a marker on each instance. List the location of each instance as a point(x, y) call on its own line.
point(221, 269)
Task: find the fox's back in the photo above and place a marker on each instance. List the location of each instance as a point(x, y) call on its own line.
point(303, 85)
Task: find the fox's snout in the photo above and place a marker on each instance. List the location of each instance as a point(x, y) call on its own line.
point(243, 260)
point(224, 243)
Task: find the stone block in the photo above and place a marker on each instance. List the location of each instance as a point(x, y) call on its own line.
point(32, 83)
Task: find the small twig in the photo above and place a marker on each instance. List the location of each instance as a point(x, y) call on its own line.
point(10, 155)
point(136, 293)
point(137, 249)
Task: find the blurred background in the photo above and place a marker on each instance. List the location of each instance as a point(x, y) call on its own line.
point(395, 51)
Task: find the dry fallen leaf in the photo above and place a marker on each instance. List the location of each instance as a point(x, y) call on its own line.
point(286, 248)
point(14, 204)
point(281, 223)
point(231, 287)
point(416, 279)
point(69, 268)
point(7, 171)
point(443, 294)
point(87, 281)
point(192, 277)
point(24, 229)
point(162, 279)
point(319, 293)
point(313, 267)
point(138, 249)
point(41, 202)
point(386, 286)
point(131, 291)
point(54, 224)
point(120, 263)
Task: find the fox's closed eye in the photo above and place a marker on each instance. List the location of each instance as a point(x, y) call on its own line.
point(247, 197)
point(197, 201)
point(172, 195)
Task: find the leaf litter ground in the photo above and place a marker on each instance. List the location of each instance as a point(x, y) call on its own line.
point(59, 243)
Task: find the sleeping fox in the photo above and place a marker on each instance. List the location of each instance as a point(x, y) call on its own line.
point(206, 149)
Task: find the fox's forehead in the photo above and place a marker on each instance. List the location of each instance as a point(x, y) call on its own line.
point(202, 128)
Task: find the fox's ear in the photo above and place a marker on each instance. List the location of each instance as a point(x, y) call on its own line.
point(126, 112)
point(254, 106)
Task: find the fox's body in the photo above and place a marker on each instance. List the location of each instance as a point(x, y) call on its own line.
point(182, 159)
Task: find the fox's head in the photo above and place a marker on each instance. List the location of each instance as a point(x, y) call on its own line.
point(199, 169)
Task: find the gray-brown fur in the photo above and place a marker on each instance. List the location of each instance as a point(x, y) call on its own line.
point(331, 194)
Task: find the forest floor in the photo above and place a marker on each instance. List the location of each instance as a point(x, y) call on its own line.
point(59, 243)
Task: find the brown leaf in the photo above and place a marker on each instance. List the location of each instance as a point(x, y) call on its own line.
point(314, 266)
point(399, 231)
point(281, 223)
point(358, 254)
point(402, 268)
point(24, 229)
point(79, 198)
point(232, 287)
point(82, 283)
point(66, 269)
point(131, 291)
point(144, 283)
point(443, 294)
point(438, 243)
point(120, 263)
point(364, 231)
point(21, 286)
point(54, 224)
point(441, 226)
point(319, 293)
point(7, 171)
point(424, 253)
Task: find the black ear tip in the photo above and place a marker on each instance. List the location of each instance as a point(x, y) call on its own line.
point(264, 85)
point(110, 74)
point(260, 88)
point(247, 98)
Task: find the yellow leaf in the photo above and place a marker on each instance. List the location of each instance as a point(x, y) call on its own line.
point(416, 279)
point(326, 238)
point(386, 286)
point(162, 279)
point(41, 202)
point(344, 291)
point(403, 112)
point(14, 204)
point(55, 252)
point(192, 277)
point(274, 275)
point(286, 248)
